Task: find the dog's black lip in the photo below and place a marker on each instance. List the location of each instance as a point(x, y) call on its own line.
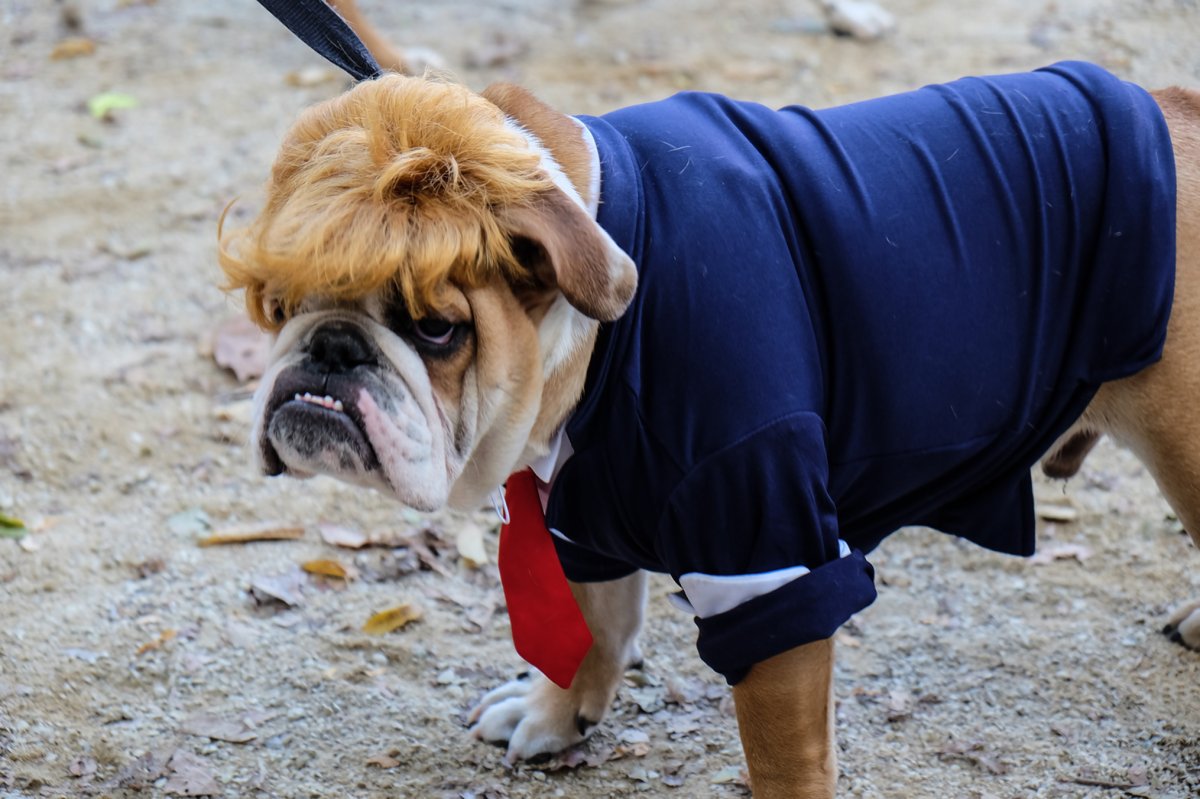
point(298, 380)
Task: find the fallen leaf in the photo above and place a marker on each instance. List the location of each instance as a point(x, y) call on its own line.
point(286, 588)
point(326, 568)
point(259, 531)
point(189, 522)
point(238, 345)
point(681, 691)
point(386, 621)
point(234, 730)
point(632, 736)
point(1061, 552)
point(143, 772)
point(580, 756)
point(727, 775)
point(73, 47)
point(149, 567)
point(649, 699)
point(346, 537)
point(1057, 513)
point(190, 776)
point(86, 655)
point(900, 705)
point(104, 104)
point(11, 527)
point(157, 643)
point(974, 752)
point(240, 413)
point(470, 545)
point(631, 750)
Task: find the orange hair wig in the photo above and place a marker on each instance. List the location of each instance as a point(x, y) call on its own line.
point(393, 185)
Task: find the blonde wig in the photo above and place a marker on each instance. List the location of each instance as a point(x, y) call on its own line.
point(393, 185)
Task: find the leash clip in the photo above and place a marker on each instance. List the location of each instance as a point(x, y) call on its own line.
point(500, 505)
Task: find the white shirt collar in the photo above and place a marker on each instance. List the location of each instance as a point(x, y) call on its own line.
point(560, 449)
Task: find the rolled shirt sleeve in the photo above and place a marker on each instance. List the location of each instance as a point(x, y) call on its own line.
point(751, 534)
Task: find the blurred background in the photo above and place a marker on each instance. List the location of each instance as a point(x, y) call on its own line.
point(136, 662)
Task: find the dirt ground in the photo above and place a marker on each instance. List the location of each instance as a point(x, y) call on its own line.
point(135, 663)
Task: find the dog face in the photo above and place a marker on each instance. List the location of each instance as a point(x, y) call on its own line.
point(435, 283)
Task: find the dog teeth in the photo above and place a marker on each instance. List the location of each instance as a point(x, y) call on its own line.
point(325, 402)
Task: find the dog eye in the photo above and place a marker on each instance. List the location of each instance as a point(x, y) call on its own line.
point(434, 331)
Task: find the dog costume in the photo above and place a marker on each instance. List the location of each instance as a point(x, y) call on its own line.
point(851, 320)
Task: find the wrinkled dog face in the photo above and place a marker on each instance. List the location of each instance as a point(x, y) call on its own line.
point(429, 277)
point(369, 395)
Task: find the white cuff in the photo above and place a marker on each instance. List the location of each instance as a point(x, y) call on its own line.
point(707, 595)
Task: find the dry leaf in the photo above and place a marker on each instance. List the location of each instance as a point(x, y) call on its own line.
point(729, 774)
point(259, 531)
point(240, 413)
point(1057, 513)
point(157, 643)
point(974, 752)
point(236, 729)
point(346, 537)
point(73, 47)
point(326, 568)
point(630, 750)
point(189, 522)
point(238, 345)
point(286, 588)
point(1061, 552)
point(190, 776)
point(470, 545)
point(143, 772)
point(578, 756)
point(386, 621)
point(900, 704)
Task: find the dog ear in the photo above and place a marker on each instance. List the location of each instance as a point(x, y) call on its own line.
point(558, 133)
point(564, 247)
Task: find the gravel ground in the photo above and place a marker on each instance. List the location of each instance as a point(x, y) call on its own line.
point(135, 663)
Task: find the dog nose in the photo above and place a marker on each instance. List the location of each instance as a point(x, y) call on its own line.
point(339, 347)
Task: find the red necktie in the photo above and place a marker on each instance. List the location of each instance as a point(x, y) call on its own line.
point(548, 628)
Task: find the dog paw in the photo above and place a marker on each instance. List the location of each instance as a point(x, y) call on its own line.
point(534, 717)
point(1183, 627)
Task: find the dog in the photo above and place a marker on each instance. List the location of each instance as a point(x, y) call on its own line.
point(728, 347)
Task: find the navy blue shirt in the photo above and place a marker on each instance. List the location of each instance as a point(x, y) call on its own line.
point(855, 319)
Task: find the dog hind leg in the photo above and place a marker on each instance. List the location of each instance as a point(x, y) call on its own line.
point(534, 715)
point(1156, 412)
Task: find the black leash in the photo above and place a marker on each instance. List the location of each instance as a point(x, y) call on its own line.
point(320, 27)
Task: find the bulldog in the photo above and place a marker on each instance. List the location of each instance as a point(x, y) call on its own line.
point(736, 345)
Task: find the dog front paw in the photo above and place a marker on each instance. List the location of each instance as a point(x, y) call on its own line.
point(1183, 627)
point(536, 718)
